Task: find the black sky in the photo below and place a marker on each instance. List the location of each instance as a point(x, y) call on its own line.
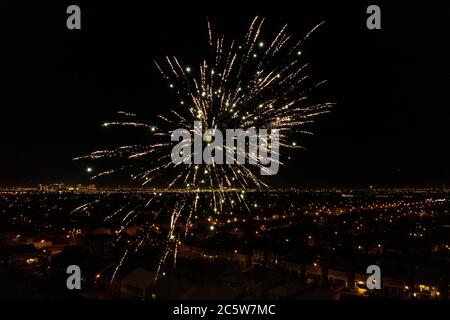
point(390, 125)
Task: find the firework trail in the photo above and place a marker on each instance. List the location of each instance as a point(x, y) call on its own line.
point(239, 85)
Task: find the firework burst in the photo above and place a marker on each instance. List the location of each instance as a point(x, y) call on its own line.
point(239, 85)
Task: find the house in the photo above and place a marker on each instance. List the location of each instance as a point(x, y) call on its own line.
point(20, 255)
point(142, 284)
point(42, 243)
point(314, 271)
point(257, 259)
point(294, 269)
point(338, 278)
point(9, 238)
point(138, 285)
point(244, 260)
point(273, 260)
point(99, 244)
point(394, 288)
point(390, 287)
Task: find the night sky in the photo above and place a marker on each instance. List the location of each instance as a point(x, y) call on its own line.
point(390, 126)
